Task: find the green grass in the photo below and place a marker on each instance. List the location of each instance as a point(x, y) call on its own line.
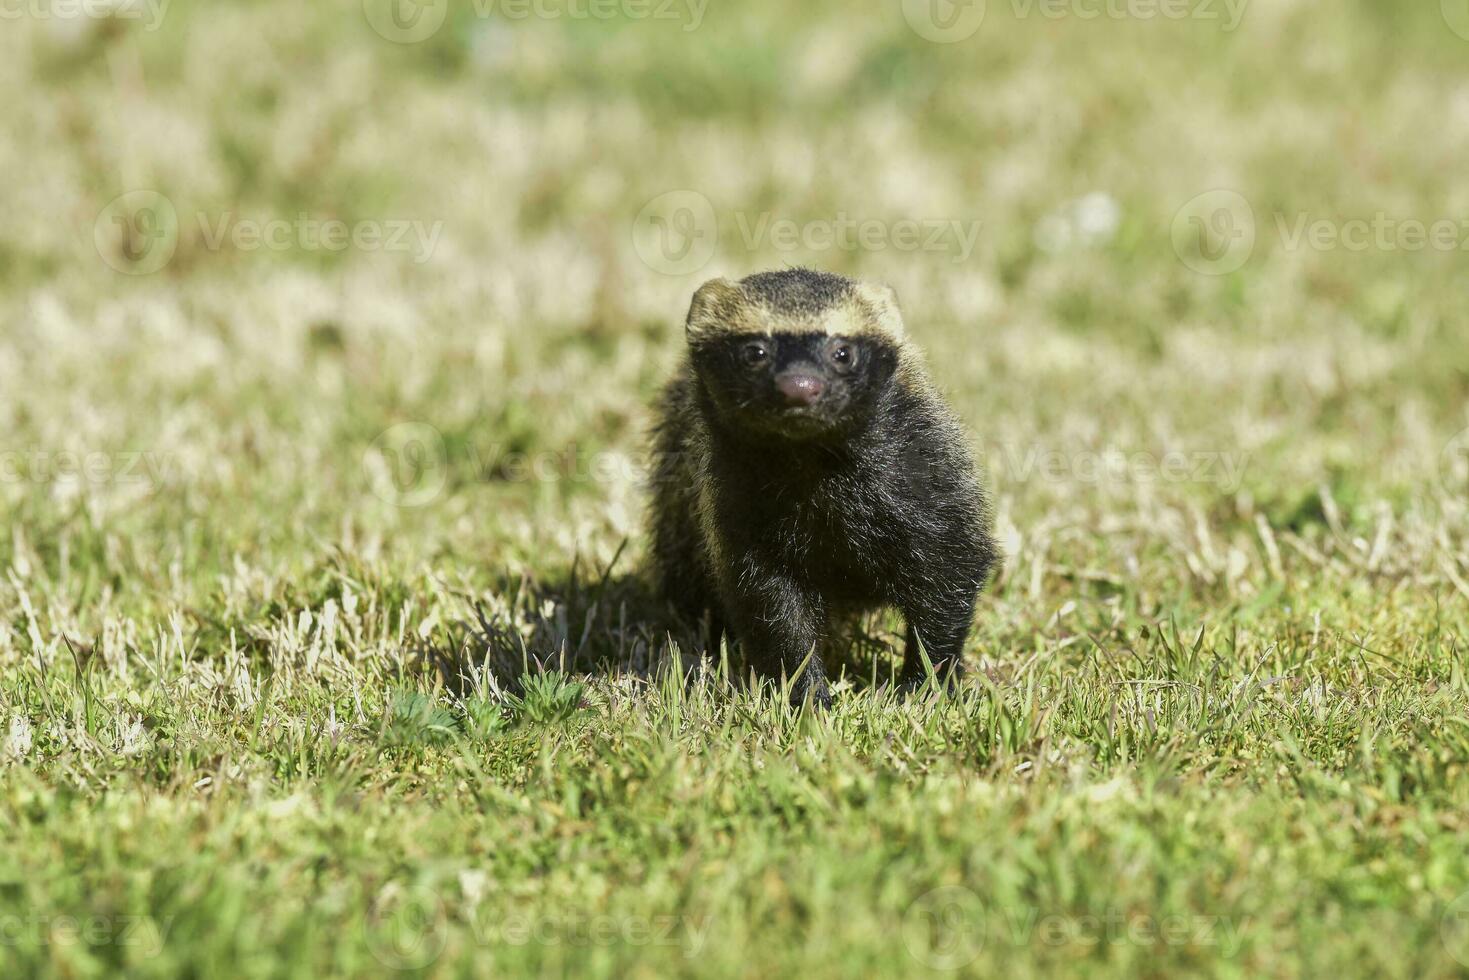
point(327, 650)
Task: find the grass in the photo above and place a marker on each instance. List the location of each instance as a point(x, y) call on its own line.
point(325, 647)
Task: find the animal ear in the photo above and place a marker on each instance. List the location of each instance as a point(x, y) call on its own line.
point(881, 301)
point(716, 304)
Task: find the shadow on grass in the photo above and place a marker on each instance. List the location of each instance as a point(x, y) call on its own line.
point(604, 624)
point(614, 624)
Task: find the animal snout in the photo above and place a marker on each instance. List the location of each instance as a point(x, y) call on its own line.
point(800, 389)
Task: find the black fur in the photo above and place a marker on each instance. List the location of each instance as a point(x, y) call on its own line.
point(866, 498)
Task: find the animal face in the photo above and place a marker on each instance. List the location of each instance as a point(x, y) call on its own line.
point(793, 385)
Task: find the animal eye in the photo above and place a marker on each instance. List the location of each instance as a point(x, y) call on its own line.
point(754, 353)
point(842, 354)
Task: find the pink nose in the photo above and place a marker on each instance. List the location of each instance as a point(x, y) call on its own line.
point(800, 389)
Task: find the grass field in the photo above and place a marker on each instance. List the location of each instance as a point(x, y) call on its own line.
point(329, 331)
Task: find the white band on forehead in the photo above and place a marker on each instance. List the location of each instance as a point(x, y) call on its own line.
point(881, 301)
point(722, 308)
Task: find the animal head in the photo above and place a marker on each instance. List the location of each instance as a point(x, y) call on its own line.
point(795, 354)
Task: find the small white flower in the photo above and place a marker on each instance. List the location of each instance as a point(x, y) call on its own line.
point(1096, 217)
point(1087, 222)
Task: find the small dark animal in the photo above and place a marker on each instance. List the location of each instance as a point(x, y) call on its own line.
point(806, 468)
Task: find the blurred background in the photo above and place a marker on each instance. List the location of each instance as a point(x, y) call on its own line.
point(398, 279)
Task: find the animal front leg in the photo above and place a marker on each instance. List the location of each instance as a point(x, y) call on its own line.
point(779, 624)
point(942, 627)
